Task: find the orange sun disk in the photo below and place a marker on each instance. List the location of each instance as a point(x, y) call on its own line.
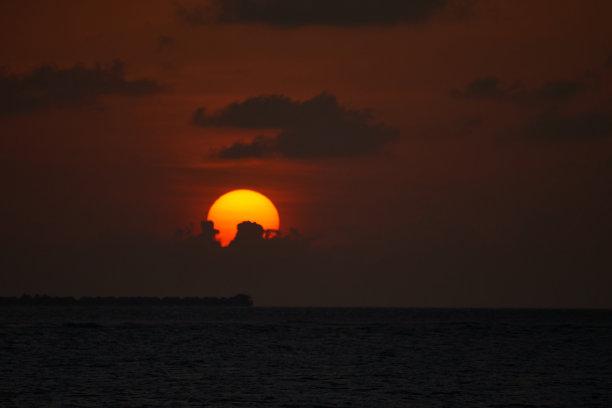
point(237, 206)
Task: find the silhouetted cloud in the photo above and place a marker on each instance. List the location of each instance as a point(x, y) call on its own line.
point(490, 88)
point(551, 122)
point(556, 90)
point(318, 127)
point(248, 233)
point(165, 41)
point(48, 86)
point(208, 234)
point(486, 88)
point(608, 63)
point(251, 247)
point(206, 239)
point(261, 146)
point(467, 126)
point(297, 13)
point(557, 126)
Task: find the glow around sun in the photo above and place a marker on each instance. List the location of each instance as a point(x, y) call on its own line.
point(237, 206)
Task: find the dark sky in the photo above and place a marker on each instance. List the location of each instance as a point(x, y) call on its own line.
point(430, 153)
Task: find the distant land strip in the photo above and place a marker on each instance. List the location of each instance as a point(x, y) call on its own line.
point(240, 299)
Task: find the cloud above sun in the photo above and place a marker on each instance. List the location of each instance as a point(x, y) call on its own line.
point(298, 13)
point(315, 128)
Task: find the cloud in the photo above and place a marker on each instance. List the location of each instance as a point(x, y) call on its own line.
point(556, 126)
point(298, 13)
point(482, 88)
point(318, 127)
point(555, 91)
point(490, 88)
point(165, 41)
point(551, 122)
point(608, 63)
point(49, 86)
point(261, 146)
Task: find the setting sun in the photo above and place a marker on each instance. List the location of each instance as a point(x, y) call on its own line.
point(237, 206)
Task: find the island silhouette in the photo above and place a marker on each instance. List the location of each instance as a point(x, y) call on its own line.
point(252, 249)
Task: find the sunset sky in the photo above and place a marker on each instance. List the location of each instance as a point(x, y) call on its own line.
point(432, 153)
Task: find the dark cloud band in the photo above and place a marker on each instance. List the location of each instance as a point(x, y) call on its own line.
point(556, 126)
point(318, 127)
point(491, 88)
point(49, 86)
point(296, 13)
point(552, 122)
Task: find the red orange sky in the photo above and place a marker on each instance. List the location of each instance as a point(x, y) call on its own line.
point(488, 143)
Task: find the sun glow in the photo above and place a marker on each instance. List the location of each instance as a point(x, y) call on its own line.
point(237, 206)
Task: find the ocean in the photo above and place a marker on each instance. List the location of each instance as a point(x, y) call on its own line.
point(183, 356)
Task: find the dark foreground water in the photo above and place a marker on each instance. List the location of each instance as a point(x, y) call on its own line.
point(258, 357)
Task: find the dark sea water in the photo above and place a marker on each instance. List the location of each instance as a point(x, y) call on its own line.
point(282, 357)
